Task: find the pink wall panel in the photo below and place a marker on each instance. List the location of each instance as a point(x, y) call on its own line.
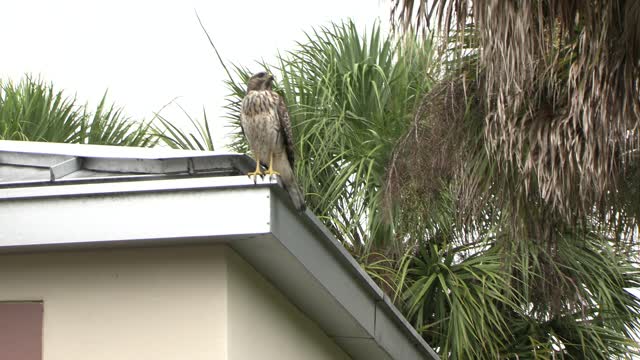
point(21, 330)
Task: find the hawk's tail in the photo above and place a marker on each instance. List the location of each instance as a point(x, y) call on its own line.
point(281, 164)
point(296, 195)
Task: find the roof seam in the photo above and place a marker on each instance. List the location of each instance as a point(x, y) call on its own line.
point(65, 168)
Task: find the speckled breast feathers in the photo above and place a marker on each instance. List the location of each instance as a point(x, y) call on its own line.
point(266, 124)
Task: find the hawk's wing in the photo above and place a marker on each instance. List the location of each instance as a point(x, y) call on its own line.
point(242, 119)
point(285, 125)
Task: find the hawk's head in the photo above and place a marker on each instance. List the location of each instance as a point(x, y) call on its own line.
point(260, 81)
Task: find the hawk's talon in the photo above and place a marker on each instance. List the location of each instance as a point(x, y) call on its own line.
point(255, 174)
point(271, 173)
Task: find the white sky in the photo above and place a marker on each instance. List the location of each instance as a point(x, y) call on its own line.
point(147, 53)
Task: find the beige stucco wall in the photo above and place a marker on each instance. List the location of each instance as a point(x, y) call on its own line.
point(201, 302)
point(163, 303)
point(264, 325)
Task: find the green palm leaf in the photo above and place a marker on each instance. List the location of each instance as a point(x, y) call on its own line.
point(32, 110)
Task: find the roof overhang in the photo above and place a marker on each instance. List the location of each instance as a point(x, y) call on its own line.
point(293, 250)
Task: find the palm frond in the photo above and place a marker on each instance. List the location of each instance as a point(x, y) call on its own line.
point(174, 136)
point(108, 126)
point(560, 82)
point(33, 111)
point(350, 96)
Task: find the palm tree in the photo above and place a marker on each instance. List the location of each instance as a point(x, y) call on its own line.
point(350, 96)
point(199, 138)
point(560, 89)
point(480, 254)
point(32, 110)
point(525, 155)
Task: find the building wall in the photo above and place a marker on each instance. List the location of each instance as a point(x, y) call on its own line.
point(160, 303)
point(197, 303)
point(263, 324)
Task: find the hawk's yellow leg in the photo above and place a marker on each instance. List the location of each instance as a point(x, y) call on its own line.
point(270, 170)
point(257, 172)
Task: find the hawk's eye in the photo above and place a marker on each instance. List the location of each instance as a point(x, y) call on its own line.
point(262, 74)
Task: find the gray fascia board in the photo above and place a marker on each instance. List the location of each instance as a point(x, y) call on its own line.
point(133, 216)
point(396, 338)
point(291, 277)
point(326, 268)
point(363, 348)
point(386, 325)
point(404, 326)
point(336, 247)
point(71, 189)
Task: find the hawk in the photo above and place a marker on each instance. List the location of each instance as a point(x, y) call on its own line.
point(266, 125)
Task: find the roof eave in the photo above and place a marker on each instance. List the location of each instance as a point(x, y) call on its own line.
point(300, 256)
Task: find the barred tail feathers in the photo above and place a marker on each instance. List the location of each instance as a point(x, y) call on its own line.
point(281, 165)
point(296, 196)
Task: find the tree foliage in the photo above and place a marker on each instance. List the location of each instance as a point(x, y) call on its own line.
point(530, 139)
point(32, 110)
point(560, 89)
point(176, 137)
point(488, 183)
point(409, 156)
point(350, 97)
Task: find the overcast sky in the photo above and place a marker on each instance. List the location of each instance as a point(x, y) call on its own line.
point(147, 53)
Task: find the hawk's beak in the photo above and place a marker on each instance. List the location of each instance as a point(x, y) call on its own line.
point(270, 76)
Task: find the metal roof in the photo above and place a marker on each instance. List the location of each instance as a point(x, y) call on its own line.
point(56, 196)
point(30, 163)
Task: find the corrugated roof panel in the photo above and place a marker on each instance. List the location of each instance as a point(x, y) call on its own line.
point(24, 163)
point(13, 173)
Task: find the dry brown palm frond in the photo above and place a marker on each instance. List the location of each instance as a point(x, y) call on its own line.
point(429, 154)
point(434, 133)
point(561, 82)
point(434, 154)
